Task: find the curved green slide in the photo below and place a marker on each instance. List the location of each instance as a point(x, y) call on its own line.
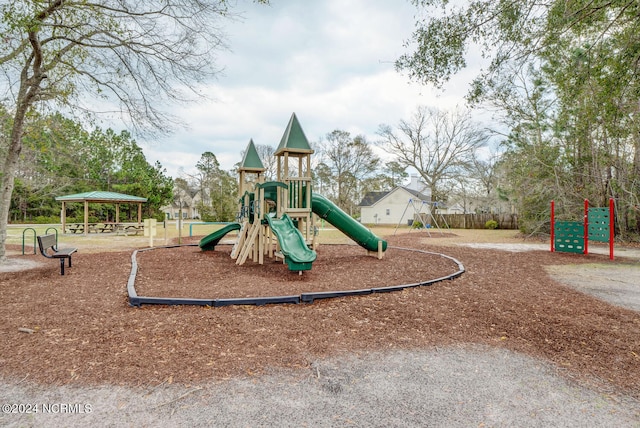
point(210, 241)
point(355, 230)
point(292, 244)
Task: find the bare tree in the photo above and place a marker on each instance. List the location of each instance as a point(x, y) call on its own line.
point(268, 160)
point(439, 145)
point(350, 161)
point(485, 173)
point(128, 56)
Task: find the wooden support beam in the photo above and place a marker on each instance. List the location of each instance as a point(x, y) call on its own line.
point(379, 254)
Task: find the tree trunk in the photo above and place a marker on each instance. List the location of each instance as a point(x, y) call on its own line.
point(29, 89)
point(7, 177)
point(636, 158)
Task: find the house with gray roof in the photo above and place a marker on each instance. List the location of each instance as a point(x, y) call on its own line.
point(397, 206)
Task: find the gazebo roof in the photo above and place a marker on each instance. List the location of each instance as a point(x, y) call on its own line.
point(100, 196)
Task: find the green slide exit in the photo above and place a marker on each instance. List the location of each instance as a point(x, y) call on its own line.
point(345, 223)
point(292, 244)
point(210, 241)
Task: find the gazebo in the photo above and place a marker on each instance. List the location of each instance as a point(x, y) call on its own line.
point(99, 197)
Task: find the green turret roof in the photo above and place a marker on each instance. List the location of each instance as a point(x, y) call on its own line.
point(251, 160)
point(294, 140)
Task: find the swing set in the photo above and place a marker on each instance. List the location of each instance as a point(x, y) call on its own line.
point(418, 205)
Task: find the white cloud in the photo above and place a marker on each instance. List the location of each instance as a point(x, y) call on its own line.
point(330, 62)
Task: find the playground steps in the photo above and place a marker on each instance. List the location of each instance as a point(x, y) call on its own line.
point(242, 235)
point(249, 243)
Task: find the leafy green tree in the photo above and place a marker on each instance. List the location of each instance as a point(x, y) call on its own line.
point(599, 119)
point(576, 66)
point(159, 189)
point(136, 57)
point(218, 189)
point(509, 32)
point(61, 157)
point(48, 165)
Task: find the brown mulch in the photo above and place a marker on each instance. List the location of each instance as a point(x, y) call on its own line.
point(86, 333)
point(335, 268)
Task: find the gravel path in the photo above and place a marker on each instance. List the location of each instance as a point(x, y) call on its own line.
point(452, 387)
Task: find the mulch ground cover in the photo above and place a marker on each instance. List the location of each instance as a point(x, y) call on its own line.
point(86, 332)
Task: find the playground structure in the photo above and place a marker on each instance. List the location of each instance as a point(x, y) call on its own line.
point(277, 218)
point(574, 236)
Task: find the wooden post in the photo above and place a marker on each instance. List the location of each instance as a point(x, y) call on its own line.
point(269, 246)
point(285, 177)
point(63, 216)
point(86, 218)
point(300, 174)
point(279, 171)
point(262, 209)
point(378, 253)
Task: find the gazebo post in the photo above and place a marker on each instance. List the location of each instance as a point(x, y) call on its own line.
point(86, 217)
point(63, 217)
point(117, 213)
point(139, 213)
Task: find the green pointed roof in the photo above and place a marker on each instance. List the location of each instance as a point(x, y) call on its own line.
point(251, 160)
point(294, 140)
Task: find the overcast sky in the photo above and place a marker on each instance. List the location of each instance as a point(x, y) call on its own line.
point(330, 62)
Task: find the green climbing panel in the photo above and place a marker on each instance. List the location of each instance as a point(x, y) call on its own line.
point(599, 224)
point(569, 236)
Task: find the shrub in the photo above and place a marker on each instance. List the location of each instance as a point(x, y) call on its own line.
point(41, 219)
point(491, 224)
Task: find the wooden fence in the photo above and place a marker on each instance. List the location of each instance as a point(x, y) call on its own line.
point(471, 221)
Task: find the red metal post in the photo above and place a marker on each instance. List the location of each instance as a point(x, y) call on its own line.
point(586, 226)
point(553, 219)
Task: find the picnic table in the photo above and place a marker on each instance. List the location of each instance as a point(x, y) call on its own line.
point(79, 227)
point(107, 227)
point(129, 229)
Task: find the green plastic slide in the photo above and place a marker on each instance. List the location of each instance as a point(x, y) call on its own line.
point(355, 230)
point(210, 241)
point(292, 244)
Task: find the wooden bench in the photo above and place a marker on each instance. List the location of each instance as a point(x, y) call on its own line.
point(48, 242)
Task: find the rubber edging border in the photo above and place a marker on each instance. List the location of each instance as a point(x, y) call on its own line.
point(137, 301)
